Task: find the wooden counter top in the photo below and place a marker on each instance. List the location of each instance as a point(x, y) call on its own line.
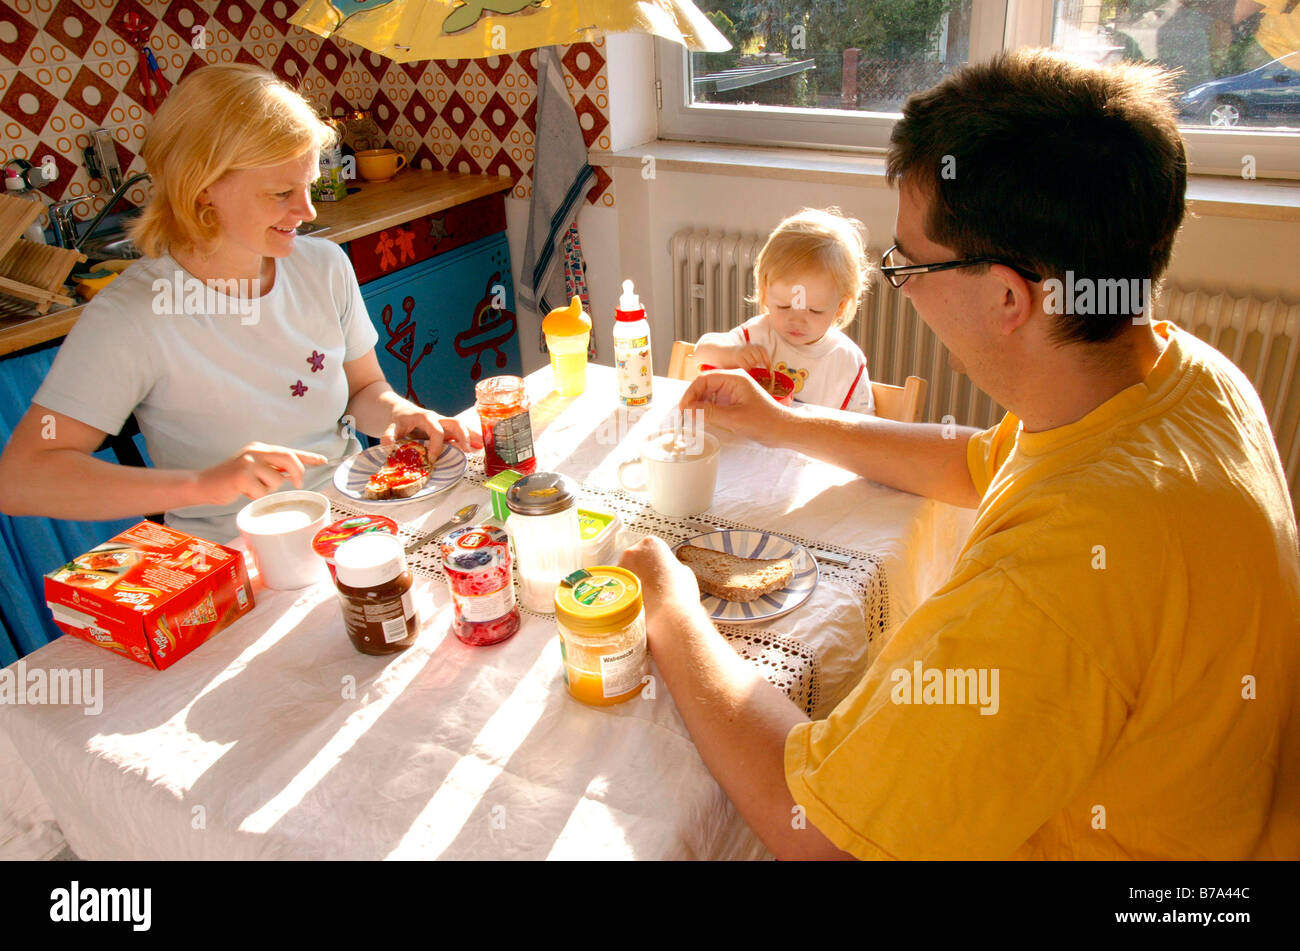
point(413, 193)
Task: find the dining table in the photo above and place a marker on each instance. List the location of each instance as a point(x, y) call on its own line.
point(276, 739)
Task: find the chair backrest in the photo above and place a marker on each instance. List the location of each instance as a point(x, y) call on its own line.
point(901, 403)
point(682, 364)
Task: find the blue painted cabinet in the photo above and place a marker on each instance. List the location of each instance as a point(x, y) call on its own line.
point(446, 323)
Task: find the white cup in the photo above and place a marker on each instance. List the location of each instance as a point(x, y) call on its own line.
point(278, 529)
point(679, 472)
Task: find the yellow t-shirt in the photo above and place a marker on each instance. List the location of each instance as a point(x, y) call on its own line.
point(1133, 580)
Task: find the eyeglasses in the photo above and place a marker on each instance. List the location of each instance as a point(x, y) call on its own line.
point(897, 269)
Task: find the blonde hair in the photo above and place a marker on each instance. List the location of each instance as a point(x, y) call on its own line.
point(817, 238)
point(219, 119)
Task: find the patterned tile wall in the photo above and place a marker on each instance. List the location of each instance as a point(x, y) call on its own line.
point(66, 68)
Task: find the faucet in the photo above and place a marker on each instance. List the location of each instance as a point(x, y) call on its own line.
point(64, 224)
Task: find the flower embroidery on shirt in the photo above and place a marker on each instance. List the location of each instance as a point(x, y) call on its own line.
point(298, 389)
point(317, 361)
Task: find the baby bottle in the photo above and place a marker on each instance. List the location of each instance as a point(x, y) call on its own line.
point(632, 349)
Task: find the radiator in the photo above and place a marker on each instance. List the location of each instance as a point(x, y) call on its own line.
point(713, 277)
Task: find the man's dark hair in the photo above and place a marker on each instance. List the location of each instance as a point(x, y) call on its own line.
point(1053, 165)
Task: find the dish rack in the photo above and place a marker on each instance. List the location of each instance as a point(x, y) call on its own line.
point(30, 271)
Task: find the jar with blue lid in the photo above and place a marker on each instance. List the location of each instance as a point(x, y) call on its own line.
point(476, 559)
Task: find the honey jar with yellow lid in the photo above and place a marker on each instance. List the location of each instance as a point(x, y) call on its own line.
point(602, 634)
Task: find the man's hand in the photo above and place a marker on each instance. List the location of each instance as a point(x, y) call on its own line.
point(667, 586)
point(733, 400)
point(413, 422)
point(738, 720)
point(255, 471)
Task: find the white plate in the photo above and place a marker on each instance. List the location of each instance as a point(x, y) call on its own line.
point(759, 545)
point(351, 476)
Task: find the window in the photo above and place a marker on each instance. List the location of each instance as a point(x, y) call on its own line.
point(834, 73)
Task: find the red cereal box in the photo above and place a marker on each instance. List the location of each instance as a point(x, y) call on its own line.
point(152, 594)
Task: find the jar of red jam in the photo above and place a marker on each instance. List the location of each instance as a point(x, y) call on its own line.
point(502, 404)
point(477, 562)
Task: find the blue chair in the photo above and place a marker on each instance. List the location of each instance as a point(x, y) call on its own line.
point(31, 546)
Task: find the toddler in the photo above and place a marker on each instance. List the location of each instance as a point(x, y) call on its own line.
point(808, 280)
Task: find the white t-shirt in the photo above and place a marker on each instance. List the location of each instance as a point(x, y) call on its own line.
point(203, 385)
point(831, 372)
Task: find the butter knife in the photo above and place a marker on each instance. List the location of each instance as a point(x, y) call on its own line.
point(460, 518)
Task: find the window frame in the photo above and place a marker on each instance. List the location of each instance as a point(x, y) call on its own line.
point(995, 25)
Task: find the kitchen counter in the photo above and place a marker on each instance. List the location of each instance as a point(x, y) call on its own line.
point(379, 205)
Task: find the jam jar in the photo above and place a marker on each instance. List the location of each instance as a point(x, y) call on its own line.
point(502, 404)
point(477, 562)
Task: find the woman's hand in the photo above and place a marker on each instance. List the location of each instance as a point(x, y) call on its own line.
point(376, 409)
point(733, 400)
point(255, 471)
point(413, 422)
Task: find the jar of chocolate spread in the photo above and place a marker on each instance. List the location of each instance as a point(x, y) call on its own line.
point(374, 588)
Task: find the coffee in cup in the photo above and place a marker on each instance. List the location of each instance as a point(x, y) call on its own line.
point(278, 529)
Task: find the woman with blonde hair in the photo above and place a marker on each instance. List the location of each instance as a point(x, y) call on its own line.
point(244, 351)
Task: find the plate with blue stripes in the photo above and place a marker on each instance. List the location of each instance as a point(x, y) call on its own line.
point(765, 545)
point(351, 476)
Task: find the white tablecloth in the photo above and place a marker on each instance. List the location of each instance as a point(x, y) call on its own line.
point(276, 739)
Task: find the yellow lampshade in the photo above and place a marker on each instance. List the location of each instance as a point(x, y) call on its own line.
point(409, 30)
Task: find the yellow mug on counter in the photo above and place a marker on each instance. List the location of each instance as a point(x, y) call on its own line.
point(379, 165)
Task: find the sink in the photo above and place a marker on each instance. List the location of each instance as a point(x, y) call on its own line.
point(109, 246)
point(116, 244)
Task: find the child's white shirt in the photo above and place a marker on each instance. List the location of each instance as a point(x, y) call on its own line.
point(831, 372)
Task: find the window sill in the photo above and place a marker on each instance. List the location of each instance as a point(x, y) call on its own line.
point(1208, 195)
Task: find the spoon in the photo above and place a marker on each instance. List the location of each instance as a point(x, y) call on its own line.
point(460, 518)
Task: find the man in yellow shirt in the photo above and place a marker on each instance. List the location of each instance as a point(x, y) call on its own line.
point(1112, 670)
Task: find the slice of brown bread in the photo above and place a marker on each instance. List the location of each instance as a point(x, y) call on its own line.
point(733, 578)
point(408, 452)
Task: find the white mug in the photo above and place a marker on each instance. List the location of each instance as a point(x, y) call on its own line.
point(278, 529)
point(679, 473)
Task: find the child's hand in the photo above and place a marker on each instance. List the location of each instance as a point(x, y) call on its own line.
point(730, 356)
point(750, 356)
